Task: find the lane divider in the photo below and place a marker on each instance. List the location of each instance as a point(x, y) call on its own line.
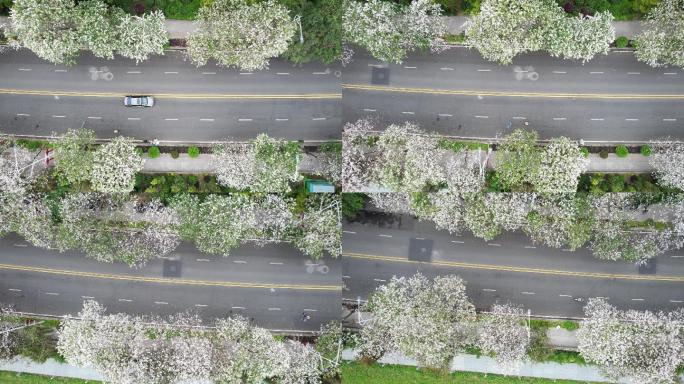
point(506, 268)
point(173, 95)
point(454, 92)
point(161, 280)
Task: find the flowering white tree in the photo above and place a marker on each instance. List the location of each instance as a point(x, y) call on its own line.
point(449, 210)
point(18, 167)
point(396, 202)
point(73, 155)
point(389, 31)
point(510, 209)
point(45, 27)
point(428, 320)
point(668, 160)
point(127, 349)
point(115, 165)
point(96, 27)
point(319, 229)
point(358, 155)
point(560, 167)
point(140, 36)
point(56, 30)
point(502, 334)
point(644, 346)
point(580, 37)
point(506, 28)
point(660, 42)
point(240, 33)
point(265, 165)
point(479, 217)
point(225, 220)
point(8, 340)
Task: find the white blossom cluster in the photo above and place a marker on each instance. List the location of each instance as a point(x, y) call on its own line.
point(136, 350)
point(265, 165)
point(240, 33)
point(644, 346)
point(661, 41)
point(16, 170)
point(8, 340)
point(560, 167)
point(668, 160)
point(56, 30)
point(389, 31)
point(506, 28)
point(73, 155)
point(404, 158)
point(115, 165)
point(502, 334)
point(319, 228)
point(427, 320)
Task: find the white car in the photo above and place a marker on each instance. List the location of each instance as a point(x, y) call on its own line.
point(138, 101)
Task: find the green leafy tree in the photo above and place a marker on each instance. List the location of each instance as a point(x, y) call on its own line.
point(322, 29)
point(518, 159)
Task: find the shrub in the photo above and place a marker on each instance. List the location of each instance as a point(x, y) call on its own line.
point(153, 152)
point(603, 154)
point(585, 151)
point(617, 183)
point(621, 151)
point(175, 154)
point(352, 203)
point(193, 151)
point(645, 150)
point(621, 42)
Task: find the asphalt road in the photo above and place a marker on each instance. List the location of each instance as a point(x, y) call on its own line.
point(612, 97)
point(509, 268)
point(274, 285)
point(198, 104)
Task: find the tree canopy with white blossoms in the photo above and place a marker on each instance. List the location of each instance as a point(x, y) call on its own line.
point(560, 167)
point(319, 228)
point(74, 156)
point(240, 33)
point(668, 160)
point(115, 165)
point(644, 346)
point(661, 42)
point(426, 319)
point(389, 31)
point(505, 28)
point(132, 349)
point(502, 334)
point(265, 165)
point(56, 30)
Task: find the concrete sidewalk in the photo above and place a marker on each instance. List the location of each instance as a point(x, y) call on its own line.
point(622, 28)
point(204, 164)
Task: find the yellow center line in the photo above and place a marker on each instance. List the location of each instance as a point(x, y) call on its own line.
point(160, 280)
point(454, 92)
point(506, 268)
point(174, 95)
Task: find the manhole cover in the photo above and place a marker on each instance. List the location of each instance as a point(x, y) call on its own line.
point(380, 76)
point(420, 250)
point(172, 268)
